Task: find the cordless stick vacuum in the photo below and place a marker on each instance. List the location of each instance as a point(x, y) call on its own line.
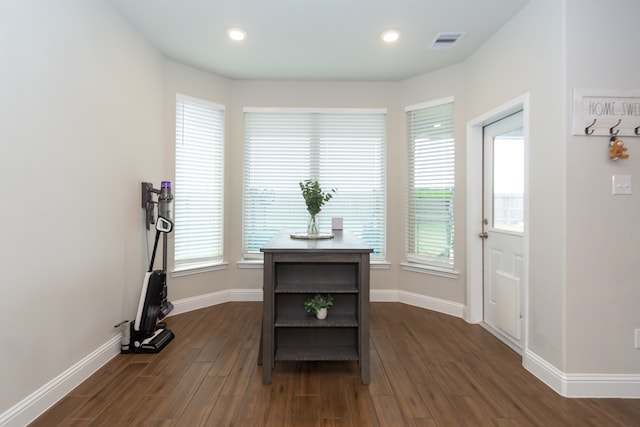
point(147, 333)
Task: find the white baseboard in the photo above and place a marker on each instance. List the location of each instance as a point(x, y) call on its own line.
point(207, 300)
point(201, 301)
point(46, 396)
point(434, 304)
point(417, 300)
point(583, 385)
point(568, 385)
point(544, 371)
point(382, 295)
point(376, 295)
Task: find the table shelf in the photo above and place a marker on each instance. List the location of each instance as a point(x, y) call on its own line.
point(319, 353)
point(316, 288)
point(332, 321)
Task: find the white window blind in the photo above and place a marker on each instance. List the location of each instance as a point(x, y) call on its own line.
point(198, 198)
point(344, 150)
point(431, 148)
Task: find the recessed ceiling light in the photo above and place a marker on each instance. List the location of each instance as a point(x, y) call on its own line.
point(390, 36)
point(237, 34)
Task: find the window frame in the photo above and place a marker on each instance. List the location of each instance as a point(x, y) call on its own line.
point(215, 204)
point(315, 145)
point(421, 262)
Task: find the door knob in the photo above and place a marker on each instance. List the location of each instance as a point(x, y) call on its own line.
point(483, 235)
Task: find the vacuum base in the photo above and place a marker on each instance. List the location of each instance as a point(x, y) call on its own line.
point(154, 344)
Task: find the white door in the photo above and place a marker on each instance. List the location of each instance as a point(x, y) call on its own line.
point(503, 219)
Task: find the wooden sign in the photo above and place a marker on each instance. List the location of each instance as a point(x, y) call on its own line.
point(606, 112)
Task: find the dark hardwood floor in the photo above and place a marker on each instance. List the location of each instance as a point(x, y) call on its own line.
point(427, 369)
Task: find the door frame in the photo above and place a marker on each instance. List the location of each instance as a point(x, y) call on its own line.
point(473, 312)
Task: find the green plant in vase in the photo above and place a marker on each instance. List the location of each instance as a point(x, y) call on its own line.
point(314, 198)
point(318, 305)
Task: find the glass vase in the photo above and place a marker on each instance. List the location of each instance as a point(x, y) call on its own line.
point(312, 227)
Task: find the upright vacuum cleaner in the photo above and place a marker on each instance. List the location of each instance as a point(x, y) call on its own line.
point(147, 333)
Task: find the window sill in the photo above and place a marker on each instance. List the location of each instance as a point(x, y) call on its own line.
point(197, 268)
point(257, 263)
point(380, 265)
point(250, 263)
point(429, 269)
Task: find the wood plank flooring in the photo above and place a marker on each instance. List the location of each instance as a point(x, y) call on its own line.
point(427, 369)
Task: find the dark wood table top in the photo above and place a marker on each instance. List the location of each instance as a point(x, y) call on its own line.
point(343, 241)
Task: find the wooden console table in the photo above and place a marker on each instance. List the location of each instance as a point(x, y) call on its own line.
point(297, 268)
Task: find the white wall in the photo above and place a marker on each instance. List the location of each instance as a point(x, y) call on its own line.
point(82, 126)
point(603, 289)
point(88, 115)
point(188, 81)
point(430, 87)
point(521, 58)
point(300, 94)
point(394, 96)
point(583, 290)
point(236, 95)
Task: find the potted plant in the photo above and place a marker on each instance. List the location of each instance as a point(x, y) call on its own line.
point(314, 198)
point(318, 305)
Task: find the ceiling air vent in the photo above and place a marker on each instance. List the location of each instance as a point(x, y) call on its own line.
point(446, 40)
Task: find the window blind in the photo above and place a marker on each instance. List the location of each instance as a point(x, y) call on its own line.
point(198, 199)
point(343, 149)
point(431, 148)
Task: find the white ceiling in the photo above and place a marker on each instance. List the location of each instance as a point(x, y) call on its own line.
point(316, 39)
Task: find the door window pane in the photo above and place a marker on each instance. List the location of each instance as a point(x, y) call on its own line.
point(508, 181)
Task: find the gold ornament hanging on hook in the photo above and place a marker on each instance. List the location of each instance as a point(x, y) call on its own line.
point(617, 149)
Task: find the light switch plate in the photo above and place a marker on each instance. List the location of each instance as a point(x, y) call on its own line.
point(621, 184)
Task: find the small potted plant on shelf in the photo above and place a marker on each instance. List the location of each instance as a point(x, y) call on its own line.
point(314, 198)
point(318, 305)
